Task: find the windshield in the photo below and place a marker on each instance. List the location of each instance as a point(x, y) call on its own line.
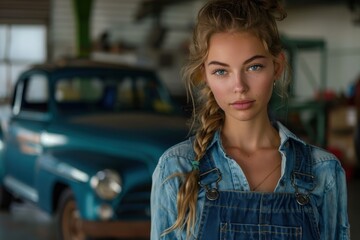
point(111, 94)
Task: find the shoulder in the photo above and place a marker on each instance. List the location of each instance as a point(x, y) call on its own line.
point(177, 159)
point(327, 167)
point(181, 150)
point(322, 156)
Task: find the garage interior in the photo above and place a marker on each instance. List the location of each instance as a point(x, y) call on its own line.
point(321, 39)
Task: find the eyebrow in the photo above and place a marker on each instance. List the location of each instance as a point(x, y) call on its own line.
point(245, 62)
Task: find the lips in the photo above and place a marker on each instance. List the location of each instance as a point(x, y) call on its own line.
point(243, 104)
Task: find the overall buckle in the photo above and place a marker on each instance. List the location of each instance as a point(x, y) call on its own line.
point(206, 179)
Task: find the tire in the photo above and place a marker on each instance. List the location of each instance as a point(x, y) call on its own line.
point(67, 219)
point(5, 199)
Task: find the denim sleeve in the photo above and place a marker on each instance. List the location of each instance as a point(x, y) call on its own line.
point(163, 203)
point(334, 216)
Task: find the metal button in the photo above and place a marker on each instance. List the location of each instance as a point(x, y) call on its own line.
point(212, 194)
point(302, 199)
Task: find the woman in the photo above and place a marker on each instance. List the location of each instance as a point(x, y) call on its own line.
point(242, 176)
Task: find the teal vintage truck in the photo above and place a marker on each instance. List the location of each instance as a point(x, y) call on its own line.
point(81, 143)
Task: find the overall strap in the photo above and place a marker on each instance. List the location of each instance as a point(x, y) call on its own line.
point(209, 177)
point(302, 177)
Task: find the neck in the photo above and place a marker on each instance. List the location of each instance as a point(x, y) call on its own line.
point(250, 135)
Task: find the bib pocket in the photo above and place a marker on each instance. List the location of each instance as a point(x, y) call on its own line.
point(235, 231)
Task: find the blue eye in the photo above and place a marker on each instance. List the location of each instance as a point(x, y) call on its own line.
point(256, 67)
point(219, 72)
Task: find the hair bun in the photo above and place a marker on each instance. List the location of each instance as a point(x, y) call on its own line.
point(274, 7)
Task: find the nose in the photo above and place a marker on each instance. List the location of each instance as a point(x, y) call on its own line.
point(240, 84)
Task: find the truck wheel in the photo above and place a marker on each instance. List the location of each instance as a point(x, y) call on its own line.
point(5, 199)
point(67, 220)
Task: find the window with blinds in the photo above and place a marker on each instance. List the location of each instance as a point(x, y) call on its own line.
point(23, 39)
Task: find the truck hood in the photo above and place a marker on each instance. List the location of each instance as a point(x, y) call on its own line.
point(131, 121)
point(133, 136)
point(136, 126)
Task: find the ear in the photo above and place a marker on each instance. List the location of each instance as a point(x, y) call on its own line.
point(279, 65)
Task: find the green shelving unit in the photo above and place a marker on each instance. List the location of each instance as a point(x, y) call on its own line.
point(312, 112)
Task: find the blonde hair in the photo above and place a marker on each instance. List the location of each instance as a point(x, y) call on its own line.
point(257, 16)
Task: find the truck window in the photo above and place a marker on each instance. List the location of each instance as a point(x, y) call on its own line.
point(35, 97)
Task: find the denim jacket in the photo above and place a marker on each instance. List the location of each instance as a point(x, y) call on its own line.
point(329, 195)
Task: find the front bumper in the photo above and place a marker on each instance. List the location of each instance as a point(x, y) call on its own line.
point(117, 229)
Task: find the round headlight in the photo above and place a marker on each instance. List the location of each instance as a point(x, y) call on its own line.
point(107, 184)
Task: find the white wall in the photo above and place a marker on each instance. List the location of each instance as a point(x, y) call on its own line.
point(334, 25)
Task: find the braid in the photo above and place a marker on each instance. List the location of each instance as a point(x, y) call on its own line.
point(210, 118)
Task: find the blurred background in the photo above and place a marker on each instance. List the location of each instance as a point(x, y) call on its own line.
point(321, 39)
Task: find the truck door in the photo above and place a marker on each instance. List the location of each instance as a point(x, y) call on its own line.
point(29, 119)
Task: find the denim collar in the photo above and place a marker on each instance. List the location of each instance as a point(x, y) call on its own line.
point(286, 134)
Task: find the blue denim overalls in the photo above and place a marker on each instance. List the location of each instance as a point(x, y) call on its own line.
point(230, 215)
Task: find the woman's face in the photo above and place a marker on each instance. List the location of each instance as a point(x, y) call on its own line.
point(240, 73)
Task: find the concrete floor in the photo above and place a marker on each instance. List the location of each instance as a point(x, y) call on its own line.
point(26, 222)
